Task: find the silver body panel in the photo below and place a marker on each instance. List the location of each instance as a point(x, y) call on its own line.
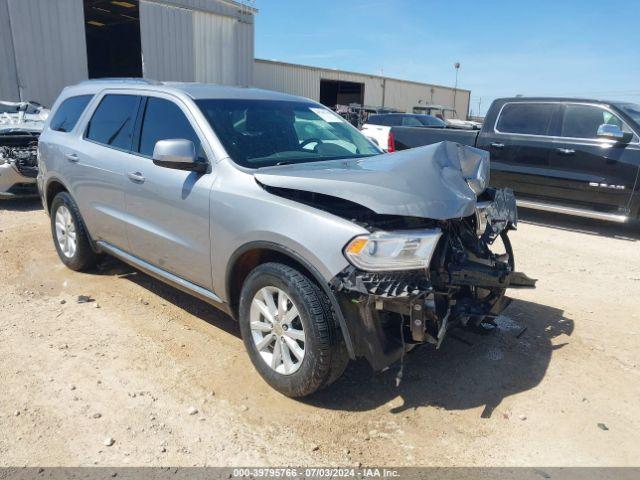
point(427, 182)
point(185, 227)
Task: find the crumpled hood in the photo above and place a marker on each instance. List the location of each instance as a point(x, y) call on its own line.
point(430, 182)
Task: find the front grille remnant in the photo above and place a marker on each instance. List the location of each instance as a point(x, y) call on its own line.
point(385, 284)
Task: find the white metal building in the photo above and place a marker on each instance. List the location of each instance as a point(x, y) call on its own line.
point(332, 87)
point(46, 45)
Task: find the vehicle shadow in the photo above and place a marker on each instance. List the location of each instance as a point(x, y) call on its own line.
point(623, 231)
point(21, 205)
point(468, 371)
point(194, 306)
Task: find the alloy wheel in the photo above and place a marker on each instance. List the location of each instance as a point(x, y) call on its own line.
point(277, 330)
point(66, 232)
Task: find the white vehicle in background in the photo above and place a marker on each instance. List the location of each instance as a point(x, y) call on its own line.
point(20, 126)
point(378, 127)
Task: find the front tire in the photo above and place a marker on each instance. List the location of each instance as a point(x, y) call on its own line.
point(289, 330)
point(70, 237)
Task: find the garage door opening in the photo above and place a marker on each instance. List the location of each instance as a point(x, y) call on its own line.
point(113, 38)
point(335, 92)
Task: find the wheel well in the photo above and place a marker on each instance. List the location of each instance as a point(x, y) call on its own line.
point(249, 260)
point(53, 189)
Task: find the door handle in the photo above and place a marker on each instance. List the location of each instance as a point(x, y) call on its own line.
point(72, 157)
point(497, 145)
point(136, 177)
point(566, 151)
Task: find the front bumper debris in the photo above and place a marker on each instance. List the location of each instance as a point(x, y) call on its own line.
point(466, 282)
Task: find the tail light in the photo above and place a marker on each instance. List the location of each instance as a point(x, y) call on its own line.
point(391, 143)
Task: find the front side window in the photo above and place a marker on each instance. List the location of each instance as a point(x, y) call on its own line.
point(113, 121)
point(583, 121)
point(260, 133)
point(69, 112)
point(164, 120)
point(526, 118)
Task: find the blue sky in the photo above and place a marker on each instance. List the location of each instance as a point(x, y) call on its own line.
point(573, 48)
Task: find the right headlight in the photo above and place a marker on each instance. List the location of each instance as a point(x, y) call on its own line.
point(385, 251)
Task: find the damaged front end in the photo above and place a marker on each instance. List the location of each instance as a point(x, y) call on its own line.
point(437, 253)
point(463, 284)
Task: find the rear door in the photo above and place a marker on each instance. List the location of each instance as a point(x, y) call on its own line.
point(95, 166)
point(519, 144)
point(596, 173)
point(168, 209)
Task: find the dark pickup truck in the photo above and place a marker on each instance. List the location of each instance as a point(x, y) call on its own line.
point(572, 156)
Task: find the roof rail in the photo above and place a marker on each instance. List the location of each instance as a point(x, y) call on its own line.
point(124, 80)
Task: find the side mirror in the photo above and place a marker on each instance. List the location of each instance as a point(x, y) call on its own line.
point(179, 154)
point(613, 132)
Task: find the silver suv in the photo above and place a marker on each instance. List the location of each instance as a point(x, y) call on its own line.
point(277, 211)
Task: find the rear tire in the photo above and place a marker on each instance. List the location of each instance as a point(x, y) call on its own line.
point(289, 330)
point(70, 236)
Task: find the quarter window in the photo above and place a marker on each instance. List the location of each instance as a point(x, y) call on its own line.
point(526, 118)
point(164, 120)
point(582, 121)
point(113, 121)
point(69, 112)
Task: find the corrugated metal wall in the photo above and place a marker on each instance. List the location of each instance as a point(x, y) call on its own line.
point(167, 42)
point(406, 95)
point(219, 7)
point(8, 75)
point(182, 44)
point(402, 95)
point(182, 40)
point(305, 81)
point(223, 49)
point(49, 43)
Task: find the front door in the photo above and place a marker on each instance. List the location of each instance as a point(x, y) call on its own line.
point(597, 174)
point(168, 209)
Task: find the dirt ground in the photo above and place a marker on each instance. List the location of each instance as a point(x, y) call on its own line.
point(134, 366)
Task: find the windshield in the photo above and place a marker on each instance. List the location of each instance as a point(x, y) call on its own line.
point(632, 110)
point(261, 133)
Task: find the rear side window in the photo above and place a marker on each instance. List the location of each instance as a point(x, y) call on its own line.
point(164, 120)
point(113, 121)
point(393, 120)
point(526, 118)
point(376, 120)
point(69, 112)
point(411, 122)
